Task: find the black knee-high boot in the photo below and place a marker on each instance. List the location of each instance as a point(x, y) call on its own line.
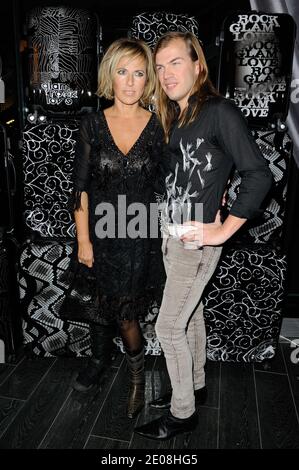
point(135, 363)
point(101, 347)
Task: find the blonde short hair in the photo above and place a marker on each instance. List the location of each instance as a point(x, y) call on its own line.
point(130, 48)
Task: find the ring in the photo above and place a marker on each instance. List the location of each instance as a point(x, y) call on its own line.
point(80, 261)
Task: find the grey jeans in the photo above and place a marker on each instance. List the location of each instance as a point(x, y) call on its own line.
point(180, 325)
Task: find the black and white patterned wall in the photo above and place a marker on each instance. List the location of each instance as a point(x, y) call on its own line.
point(256, 65)
point(276, 147)
point(151, 26)
point(243, 303)
point(63, 58)
point(42, 292)
point(48, 155)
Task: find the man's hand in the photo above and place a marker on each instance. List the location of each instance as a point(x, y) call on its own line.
point(205, 234)
point(213, 233)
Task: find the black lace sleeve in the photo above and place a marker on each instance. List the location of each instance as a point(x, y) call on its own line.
point(81, 171)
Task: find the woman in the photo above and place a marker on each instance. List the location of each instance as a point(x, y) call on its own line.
point(116, 162)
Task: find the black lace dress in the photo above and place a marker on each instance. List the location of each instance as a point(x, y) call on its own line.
point(129, 271)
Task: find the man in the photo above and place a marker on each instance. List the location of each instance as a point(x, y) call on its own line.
point(207, 137)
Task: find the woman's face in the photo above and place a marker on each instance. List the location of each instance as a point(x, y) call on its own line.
point(129, 80)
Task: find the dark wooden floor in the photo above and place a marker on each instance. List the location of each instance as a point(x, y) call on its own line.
point(248, 407)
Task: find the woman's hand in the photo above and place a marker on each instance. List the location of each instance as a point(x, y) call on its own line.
point(85, 253)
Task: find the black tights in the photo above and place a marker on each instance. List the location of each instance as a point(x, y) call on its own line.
point(102, 336)
point(131, 335)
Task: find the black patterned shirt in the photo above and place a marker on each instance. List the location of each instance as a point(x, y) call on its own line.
point(201, 157)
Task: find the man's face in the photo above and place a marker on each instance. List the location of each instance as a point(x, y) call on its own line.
point(177, 72)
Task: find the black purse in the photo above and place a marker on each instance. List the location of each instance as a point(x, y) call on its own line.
point(81, 301)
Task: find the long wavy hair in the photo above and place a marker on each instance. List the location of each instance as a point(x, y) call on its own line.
point(167, 110)
point(131, 49)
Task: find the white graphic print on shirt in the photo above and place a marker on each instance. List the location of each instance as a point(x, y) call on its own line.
point(178, 204)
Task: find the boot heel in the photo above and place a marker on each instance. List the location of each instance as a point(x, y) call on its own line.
point(137, 384)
